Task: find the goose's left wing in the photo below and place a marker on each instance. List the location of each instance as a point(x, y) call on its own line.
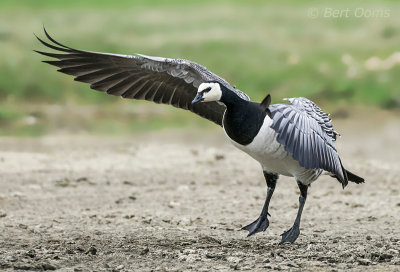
point(306, 139)
point(156, 79)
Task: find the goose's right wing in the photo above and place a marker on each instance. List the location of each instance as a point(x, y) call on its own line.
point(160, 80)
point(306, 140)
point(315, 112)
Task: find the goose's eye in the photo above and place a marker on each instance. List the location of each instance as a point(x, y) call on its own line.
point(206, 90)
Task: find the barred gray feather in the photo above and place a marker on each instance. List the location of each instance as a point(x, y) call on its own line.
point(156, 79)
point(315, 112)
point(307, 134)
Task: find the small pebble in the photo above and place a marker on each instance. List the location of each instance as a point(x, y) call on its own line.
point(81, 179)
point(173, 204)
point(232, 259)
point(92, 250)
point(24, 267)
point(364, 261)
point(120, 267)
point(11, 258)
point(47, 266)
point(22, 226)
point(31, 253)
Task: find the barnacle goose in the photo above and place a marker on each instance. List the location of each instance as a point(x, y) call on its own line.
point(295, 139)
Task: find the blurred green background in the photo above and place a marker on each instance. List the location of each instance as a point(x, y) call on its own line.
point(344, 62)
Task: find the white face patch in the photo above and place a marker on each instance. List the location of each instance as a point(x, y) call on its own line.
point(214, 94)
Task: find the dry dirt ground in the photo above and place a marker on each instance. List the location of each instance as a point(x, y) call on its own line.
point(173, 201)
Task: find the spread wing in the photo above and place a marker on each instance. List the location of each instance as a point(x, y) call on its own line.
point(156, 79)
point(311, 143)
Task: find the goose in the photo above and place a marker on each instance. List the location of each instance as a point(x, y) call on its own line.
point(294, 139)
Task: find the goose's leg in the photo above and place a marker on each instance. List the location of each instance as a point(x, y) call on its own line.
point(291, 234)
point(262, 223)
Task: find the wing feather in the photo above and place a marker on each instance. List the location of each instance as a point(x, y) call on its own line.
point(306, 139)
point(316, 113)
point(156, 79)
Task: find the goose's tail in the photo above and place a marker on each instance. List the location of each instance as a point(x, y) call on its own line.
point(349, 177)
point(353, 177)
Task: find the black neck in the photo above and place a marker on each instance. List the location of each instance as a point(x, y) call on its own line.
point(229, 98)
point(243, 119)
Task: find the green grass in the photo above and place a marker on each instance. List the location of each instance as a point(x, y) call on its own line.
point(259, 46)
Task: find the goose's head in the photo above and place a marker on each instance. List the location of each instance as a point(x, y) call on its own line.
point(207, 92)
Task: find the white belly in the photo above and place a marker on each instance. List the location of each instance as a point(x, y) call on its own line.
point(272, 155)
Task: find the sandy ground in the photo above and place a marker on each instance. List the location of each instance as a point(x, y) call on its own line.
point(175, 201)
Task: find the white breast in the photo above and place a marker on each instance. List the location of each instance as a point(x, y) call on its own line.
point(272, 155)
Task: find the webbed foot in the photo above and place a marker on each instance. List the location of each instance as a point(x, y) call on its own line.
point(290, 235)
point(261, 224)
